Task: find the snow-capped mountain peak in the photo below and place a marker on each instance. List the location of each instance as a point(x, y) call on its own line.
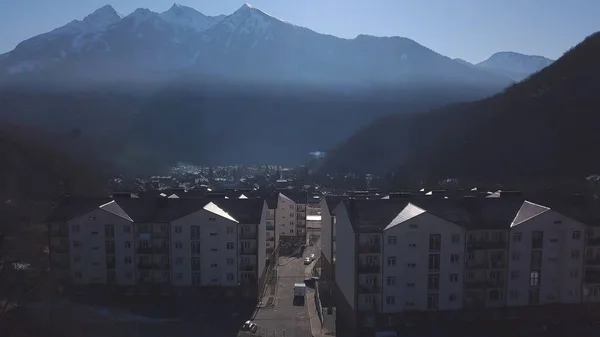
point(189, 18)
point(101, 18)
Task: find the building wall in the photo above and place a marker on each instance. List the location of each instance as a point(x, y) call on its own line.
point(218, 264)
point(562, 255)
point(261, 237)
point(285, 217)
point(326, 232)
point(411, 270)
point(87, 248)
point(345, 268)
point(271, 230)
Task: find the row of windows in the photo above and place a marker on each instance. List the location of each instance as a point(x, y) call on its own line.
point(196, 247)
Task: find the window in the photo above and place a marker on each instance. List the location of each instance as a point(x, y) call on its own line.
point(534, 296)
point(75, 228)
point(411, 265)
point(291, 231)
point(557, 222)
point(179, 261)
point(515, 256)
point(229, 230)
point(229, 245)
point(454, 258)
point(390, 300)
point(434, 262)
point(229, 261)
point(109, 231)
point(410, 285)
point(391, 281)
point(76, 244)
point(126, 229)
point(94, 233)
point(178, 245)
point(178, 229)
point(534, 279)
point(495, 295)
point(432, 302)
point(470, 256)
point(196, 278)
point(413, 226)
point(576, 235)
point(453, 278)
point(516, 237)
point(77, 259)
point(455, 238)
point(574, 273)
point(109, 247)
point(195, 233)
point(537, 240)
point(514, 275)
point(410, 304)
point(369, 299)
point(213, 265)
point(214, 250)
point(92, 218)
point(391, 240)
point(435, 242)
point(554, 240)
point(514, 294)
point(229, 276)
point(575, 254)
point(95, 248)
point(196, 248)
point(412, 245)
point(128, 260)
point(78, 275)
point(212, 219)
point(452, 298)
point(391, 261)
point(433, 282)
point(127, 244)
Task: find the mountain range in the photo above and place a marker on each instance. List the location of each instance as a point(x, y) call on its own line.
point(149, 89)
point(515, 66)
point(245, 45)
point(539, 131)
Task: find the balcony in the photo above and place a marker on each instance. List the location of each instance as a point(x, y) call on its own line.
point(152, 266)
point(248, 251)
point(301, 216)
point(368, 289)
point(270, 238)
point(484, 284)
point(270, 226)
point(247, 236)
point(593, 241)
point(59, 233)
point(374, 248)
point(593, 261)
point(477, 265)
point(486, 245)
point(301, 223)
point(591, 276)
point(110, 266)
point(152, 250)
point(369, 269)
point(248, 279)
point(247, 268)
point(498, 264)
point(60, 249)
point(160, 235)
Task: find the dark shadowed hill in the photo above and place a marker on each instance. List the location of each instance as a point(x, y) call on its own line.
point(543, 128)
point(33, 170)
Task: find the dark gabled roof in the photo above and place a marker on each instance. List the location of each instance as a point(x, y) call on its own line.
point(160, 209)
point(245, 211)
point(298, 197)
point(333, 201)
point(271, 202)
point(373, 215)
point(492, 213)
point(585, 209)
point(72, 207)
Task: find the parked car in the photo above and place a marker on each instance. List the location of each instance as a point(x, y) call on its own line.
point(312, 257)
point(250, 326)
point(307, 260)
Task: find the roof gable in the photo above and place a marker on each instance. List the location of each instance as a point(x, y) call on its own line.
point(528, 211)
point(114, 208)
point(409, 212)
point(213, 208)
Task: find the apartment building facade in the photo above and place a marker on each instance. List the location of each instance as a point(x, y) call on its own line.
point(328, 205)
point(169, 245)
point(432, 257)
point(289, 217)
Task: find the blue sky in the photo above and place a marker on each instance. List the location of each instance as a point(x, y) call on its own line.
point(469, 29)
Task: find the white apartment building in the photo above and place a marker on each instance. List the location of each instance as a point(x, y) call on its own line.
point(290, 217)
point(547, 251)
point(170, 243)
point(432, 255)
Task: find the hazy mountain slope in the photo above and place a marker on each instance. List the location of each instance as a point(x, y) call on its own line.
point(542, 128)
point(514, 65)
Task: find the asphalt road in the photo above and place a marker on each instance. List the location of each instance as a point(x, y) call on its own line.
point(285, 318)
